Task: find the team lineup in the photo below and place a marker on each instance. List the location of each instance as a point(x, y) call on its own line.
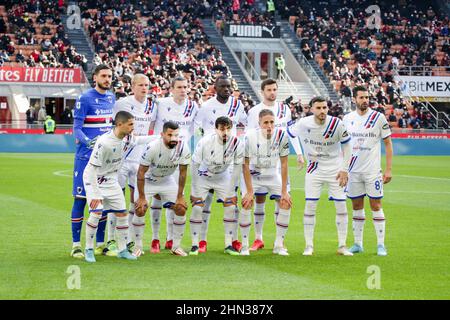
point(224, 163)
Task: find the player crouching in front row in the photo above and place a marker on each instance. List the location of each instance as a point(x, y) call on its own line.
point(163, 157)
point(213, 158)
point(265, 147)
point(100, 178)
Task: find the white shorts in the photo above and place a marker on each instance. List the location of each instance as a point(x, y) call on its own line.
point(166, 188)
point(265, 185)
point(219, 183)
point(315, 182)
point(113, 199)
point(361, 184)
point(128, 174)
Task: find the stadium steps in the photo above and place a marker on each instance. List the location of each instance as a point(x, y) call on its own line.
point(79, 41)
point(216, 39)
point(293, 43)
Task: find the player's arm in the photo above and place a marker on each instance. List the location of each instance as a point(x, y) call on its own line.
point(141, 204)
point(91, 185)
point(387, 176)
point(180, 205)
point(81, 107)
point(247, 200)
point(342, 175)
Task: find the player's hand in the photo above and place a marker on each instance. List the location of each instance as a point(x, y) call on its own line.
point(247, 201)
point(387, 176)
point(95, 203)
point(233, 200)
point(342, 177)
point(300, 162)
point(180, 207)
point(141, 205)
point(91, 143)
point(285, 200)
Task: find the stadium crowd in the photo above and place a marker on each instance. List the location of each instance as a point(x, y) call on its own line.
point(32, 35)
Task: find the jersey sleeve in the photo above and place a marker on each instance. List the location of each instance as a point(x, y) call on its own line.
point(247, 146)
point(385, 128)
point(239, 154)
point(284, 145)
point(251, 119)
point(185, 157)
point(344, 137)
point(120, 105)
point(81, 109)
point(242, 115)
point(293, 129)
point(146, 156)
point(197, 154)
point(98, 154)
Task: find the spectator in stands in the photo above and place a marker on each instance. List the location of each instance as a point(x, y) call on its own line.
point(414, 122)
point(402, 122)
point(3, 28)
point(280, 64)
point(392, 117)
point(67, 116)
point(46, 44)
point(30, 115)
point(307, 52)
point(49, 125)
point(42, 115)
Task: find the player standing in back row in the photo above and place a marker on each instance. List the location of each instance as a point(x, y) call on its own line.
point(283, 118)
point(223, 104)
point(367, 128)
point(142, 109)
point(324, 138)
point(92, 118)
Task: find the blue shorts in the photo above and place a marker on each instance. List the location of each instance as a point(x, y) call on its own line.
point(78, 186)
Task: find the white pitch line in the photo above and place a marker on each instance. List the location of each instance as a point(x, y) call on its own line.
point(398, 191)
point(423, 177)
point(62, 173)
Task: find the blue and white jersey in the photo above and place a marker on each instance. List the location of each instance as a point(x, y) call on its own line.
point(366, 131)
point(213, 109)
point(92, 118)
point(321, 143)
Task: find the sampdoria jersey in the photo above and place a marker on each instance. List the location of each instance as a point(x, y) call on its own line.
point(281, 111)
point(183, 115)
point(108, 154)
point(264, 154)
point(162, 161)
point(213, 109)
point(92, 118)
point(366, 132)
point(321, 143)
point(215, 157)
point(144, 114)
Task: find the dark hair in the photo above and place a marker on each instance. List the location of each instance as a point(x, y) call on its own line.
point(268, 82)
point(221, 77)
point(99, 68)
point(317, 99)
point(358, 88)
point(122, 116)
point(224, 121)
point(170, 125)
point(174, 80)
point(265, 112)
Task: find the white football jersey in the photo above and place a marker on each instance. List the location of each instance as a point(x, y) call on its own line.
point(108, 154)
point(281, 111)
point(366, 131)
point(213, 109)
point(264, 154)
point(215, 157)
point(321, 143)
point(164, 161)
point(183, 114)
point(144, 114)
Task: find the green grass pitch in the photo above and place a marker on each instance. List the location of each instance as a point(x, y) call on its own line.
point(35, 197)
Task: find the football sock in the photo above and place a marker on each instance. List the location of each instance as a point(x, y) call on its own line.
point(229, 223)
point(260, 216)
point(77, 220)
point(359, 218)
point(101, 229)
point(245, 222)
point(206, 214)
point(111, 226)
point(309, 221)
point(155, 217)
point(91, 228)
point(138, 229)
point(122, 232)
point(379, 223)
point(283, 218)
point(179, 223)
point(195, 223)
point(341, 222)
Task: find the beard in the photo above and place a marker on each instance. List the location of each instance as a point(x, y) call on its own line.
point(172, 144)
point(104, 87)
